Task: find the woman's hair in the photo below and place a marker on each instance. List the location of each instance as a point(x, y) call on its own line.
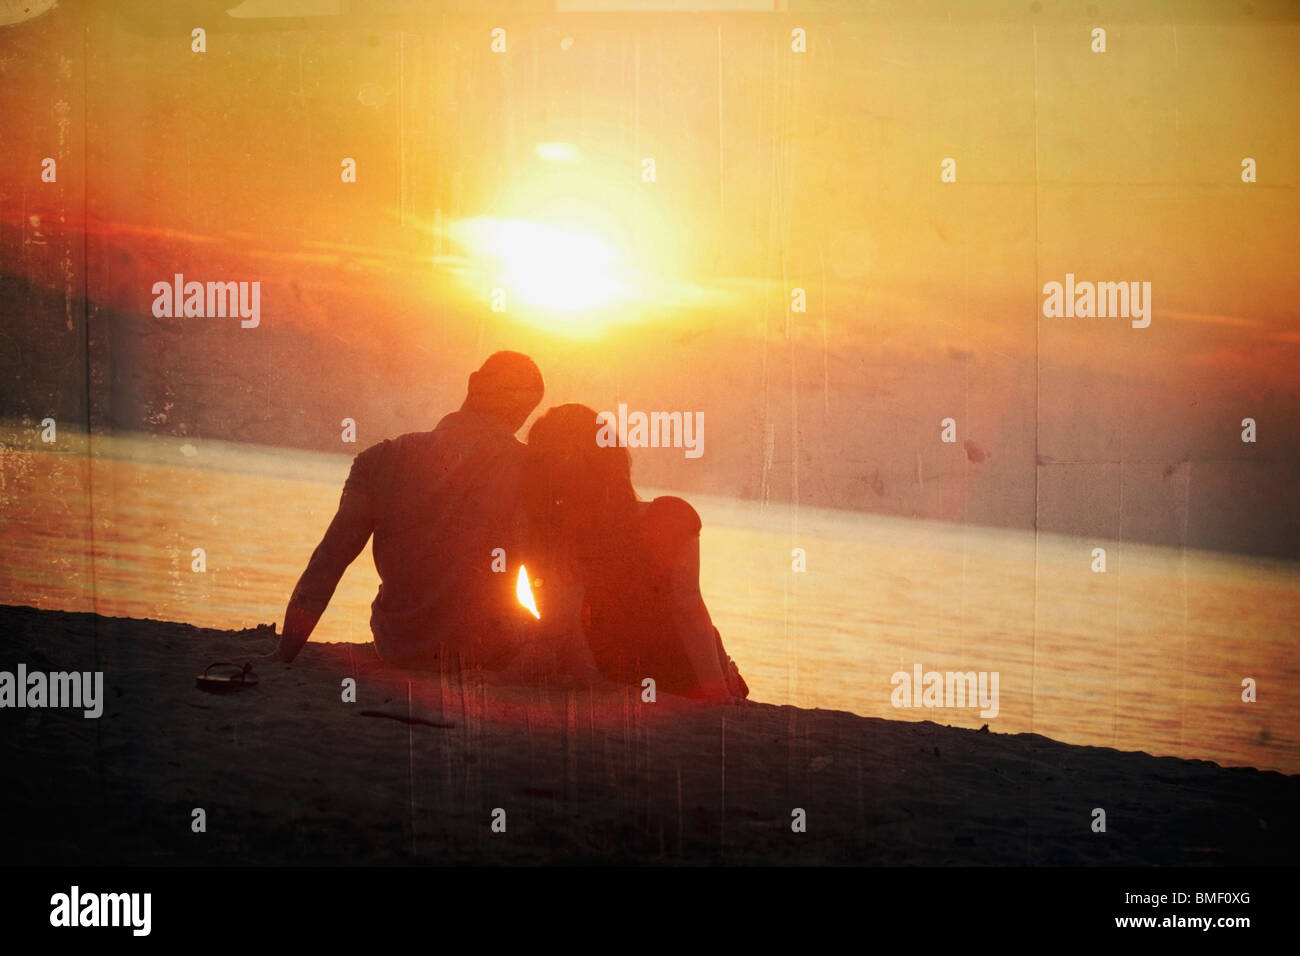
point(577, 494)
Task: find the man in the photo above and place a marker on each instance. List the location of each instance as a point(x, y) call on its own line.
point(438, 503)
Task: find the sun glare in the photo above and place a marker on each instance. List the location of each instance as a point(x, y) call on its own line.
point(556, 268)
point(524, 592)
point(562, 271)
point(575, 246)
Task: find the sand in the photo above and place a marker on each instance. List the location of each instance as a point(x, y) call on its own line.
point(288, 773)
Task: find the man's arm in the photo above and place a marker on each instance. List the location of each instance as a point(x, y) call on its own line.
point(343, 541)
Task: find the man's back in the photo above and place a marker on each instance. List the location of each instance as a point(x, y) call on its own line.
point(440, 502)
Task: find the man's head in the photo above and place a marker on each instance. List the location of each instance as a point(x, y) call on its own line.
point(507, 387)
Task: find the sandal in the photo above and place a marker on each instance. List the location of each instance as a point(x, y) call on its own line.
point(226, 683)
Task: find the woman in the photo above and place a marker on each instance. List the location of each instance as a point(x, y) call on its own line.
point(637, 562)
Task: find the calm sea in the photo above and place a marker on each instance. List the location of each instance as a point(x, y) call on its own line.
point(1149, 655)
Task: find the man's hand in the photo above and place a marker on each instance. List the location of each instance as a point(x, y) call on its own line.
point(276, 655)
point(281, 655)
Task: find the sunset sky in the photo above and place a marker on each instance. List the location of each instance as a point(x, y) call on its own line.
point(774, 170)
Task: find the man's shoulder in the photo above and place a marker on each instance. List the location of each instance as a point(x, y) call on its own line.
point(404, 442)
point(478, 430)
point(455, 429)
point(407, 440)
point(374, 453)
point(386, 450)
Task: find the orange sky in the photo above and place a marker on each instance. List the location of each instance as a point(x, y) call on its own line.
point(774, 170)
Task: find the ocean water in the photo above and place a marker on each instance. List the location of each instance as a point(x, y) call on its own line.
point(1150, 655)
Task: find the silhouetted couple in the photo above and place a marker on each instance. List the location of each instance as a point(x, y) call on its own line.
point(457, 510)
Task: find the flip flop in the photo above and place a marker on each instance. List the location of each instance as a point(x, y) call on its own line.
point(226, 683)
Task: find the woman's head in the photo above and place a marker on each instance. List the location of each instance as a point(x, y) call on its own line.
point(578, 493)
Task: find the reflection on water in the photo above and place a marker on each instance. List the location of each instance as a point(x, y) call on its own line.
point(1148, 656)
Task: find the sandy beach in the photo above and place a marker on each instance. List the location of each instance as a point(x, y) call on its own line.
point(288, 773)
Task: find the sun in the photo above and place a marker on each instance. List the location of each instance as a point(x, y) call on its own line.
point(555, 268)
point(571, 246)
point(575, 245)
